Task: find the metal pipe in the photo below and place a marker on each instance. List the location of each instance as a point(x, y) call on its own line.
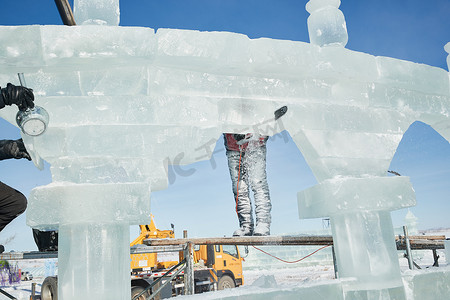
point(22, 79)
point(161, 278)
point(336, 274)
point(435, 258)
point(168, 281)
point(65, 11)
point(189, 283)
point(156, 249)
point(33, 291)
point(8, 295)
point(408, 248)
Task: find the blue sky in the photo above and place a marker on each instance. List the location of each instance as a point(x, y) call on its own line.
point(203, 203)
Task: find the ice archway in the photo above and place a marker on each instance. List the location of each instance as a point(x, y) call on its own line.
point(122, 100)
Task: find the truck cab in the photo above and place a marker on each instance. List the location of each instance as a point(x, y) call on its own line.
point(216, 267)
point(227, 262)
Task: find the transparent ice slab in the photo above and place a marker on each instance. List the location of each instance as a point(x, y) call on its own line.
point(98, 12)
point(350, 195)
point(69, 203)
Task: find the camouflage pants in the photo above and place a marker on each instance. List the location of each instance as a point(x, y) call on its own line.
point(251, 172)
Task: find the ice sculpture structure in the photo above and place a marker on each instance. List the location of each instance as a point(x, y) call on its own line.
point(125, 101)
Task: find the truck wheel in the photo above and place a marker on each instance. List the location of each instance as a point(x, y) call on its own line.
point(49, 289)
point(225, 282)
point(136, 290)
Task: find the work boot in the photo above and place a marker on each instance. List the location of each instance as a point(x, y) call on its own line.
point(262, 228)
point(243, 231)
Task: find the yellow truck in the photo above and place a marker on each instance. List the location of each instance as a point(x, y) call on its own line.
point(215, 266)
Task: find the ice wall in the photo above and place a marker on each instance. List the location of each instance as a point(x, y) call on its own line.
point(124, 102)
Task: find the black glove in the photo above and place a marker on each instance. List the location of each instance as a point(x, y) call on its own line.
point(21, 96)
point(13, 149)
point(238, 137)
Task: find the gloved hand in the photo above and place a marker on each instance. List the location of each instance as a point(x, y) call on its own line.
point(244, 138)
point(13, 149)
point(238, 137)
point(21, 96)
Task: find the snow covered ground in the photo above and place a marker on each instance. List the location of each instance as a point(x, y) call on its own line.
point(254, 280)
point(267, 282)
point(284, 283)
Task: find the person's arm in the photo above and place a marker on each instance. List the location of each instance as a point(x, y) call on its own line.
point(13, 149)
point(2, 103)
point(21, 96)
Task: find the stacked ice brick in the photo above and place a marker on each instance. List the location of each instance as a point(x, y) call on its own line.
point(123, 102)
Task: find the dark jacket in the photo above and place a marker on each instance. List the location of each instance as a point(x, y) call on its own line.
point(2, 102)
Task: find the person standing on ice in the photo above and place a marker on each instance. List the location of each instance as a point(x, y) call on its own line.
point(247, 164)
point(12, 202)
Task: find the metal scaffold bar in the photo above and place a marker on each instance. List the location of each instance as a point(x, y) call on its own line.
point(65, 11)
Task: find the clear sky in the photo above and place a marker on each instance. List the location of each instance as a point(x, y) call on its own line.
point(203, 203)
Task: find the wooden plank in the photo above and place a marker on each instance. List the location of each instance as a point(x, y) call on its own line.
point(246, 240)
point(421, 244)
point(422, 237)
point(417, 242)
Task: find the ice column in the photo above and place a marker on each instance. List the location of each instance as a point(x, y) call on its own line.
point(411, 222)
point(358, 198)
point(326, 24)
point(93, 222)
point(447, 251)
point(99, 12)
point(359, 209)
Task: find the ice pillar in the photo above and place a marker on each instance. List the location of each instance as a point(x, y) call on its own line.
point(447, 251)
point(93, 221)
point(92, 253)
point(326, 24)
point(359, 209)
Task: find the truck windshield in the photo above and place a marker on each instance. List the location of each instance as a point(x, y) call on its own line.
point(230, 249)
